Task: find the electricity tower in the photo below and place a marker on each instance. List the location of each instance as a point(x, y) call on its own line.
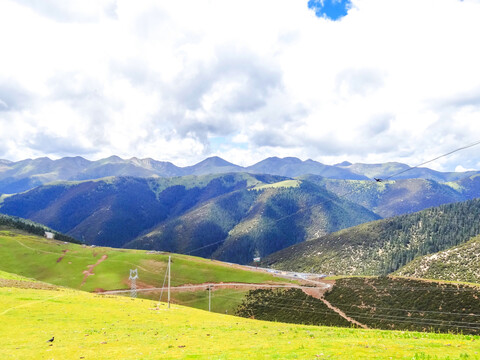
point(133, 282)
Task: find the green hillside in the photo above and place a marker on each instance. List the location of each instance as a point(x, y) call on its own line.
point(408, 304)
point(89, 326)
point(113, 211)
point(290, 306)
point(459, 263)
point(254, 222)
point(383, 246)
point(375, 302)
point(97, 268)
point(13, 222)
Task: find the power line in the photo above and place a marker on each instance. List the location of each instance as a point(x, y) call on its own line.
point(413, 320)
point(373, 307)
point(339, 197)
point(419, 321)
point(434, 159)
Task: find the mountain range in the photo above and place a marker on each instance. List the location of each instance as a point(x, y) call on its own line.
point(26, 174)
point(384, 246)
point(215, 208)
point(242, 215)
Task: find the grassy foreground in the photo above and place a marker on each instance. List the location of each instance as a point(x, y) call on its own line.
point(89, 326)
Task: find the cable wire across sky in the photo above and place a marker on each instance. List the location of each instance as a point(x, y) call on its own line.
point(339, 197)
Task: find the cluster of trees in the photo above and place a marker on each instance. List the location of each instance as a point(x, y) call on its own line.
point(382, 247)
point(429, 231)
point(32, 228)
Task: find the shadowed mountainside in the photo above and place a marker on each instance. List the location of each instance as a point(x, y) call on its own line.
point(255, 222)
point(240, 210)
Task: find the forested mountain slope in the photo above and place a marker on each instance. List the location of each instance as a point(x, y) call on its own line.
point(184, 213)
point(114, 211)
point(255, 222)
point(383, 246)
point(459, 263)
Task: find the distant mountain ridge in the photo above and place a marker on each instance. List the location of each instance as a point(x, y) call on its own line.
point(26, 174)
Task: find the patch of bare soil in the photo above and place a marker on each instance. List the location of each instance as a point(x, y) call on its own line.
point(61, 257)
point(154, 265)
point(89, 271)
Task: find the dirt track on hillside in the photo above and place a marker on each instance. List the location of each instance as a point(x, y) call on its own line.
point(318, 292)
point(89, 271)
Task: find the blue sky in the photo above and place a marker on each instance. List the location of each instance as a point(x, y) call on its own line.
point(187, 79)
point(331, 9)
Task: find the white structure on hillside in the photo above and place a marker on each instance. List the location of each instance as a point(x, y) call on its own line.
point(49, 235)
point(133, 282)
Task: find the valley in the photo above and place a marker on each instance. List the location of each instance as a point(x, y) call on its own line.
point(388, 244)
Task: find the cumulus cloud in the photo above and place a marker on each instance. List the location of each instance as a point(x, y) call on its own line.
point(173, 80)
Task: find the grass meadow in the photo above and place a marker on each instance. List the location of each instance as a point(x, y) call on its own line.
point(91, 326)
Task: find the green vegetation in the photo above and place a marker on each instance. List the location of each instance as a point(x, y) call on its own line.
point(460, 263)
point(68, 264)
point(290, 306)
point(376, 302)
point(407, 304)
point(32, 227)
point(383, 246)
point(281, 184)
point(243, 224)
point(397, 197)
point(106, 327)
point(223, 301)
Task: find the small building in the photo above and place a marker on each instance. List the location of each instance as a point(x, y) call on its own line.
point(49, 235)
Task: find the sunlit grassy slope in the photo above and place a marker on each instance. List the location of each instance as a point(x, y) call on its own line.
point(89, 326)
point(65, 264)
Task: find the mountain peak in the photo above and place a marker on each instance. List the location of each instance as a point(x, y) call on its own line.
point(343, 163)
point(113, 158)
point(215, 160)
point(213, 165)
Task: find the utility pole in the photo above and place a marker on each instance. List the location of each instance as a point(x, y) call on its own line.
point(209, 297)
point(169, 257)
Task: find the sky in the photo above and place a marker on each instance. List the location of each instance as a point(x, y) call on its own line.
point(330, 80)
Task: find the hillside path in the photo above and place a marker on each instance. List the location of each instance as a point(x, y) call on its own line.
point(318, 294)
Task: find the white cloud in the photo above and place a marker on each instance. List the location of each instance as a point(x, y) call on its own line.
point(392, 81)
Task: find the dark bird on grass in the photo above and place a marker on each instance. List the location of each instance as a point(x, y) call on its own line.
point(51, 340)
point(377, 180)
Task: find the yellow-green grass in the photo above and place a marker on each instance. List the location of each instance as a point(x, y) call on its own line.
point(64, 264)
point(91, 326)
point(280, 184)
point(9, 276)
point(223, 301)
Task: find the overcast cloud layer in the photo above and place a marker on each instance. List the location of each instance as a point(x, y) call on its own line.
point(393, 80)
